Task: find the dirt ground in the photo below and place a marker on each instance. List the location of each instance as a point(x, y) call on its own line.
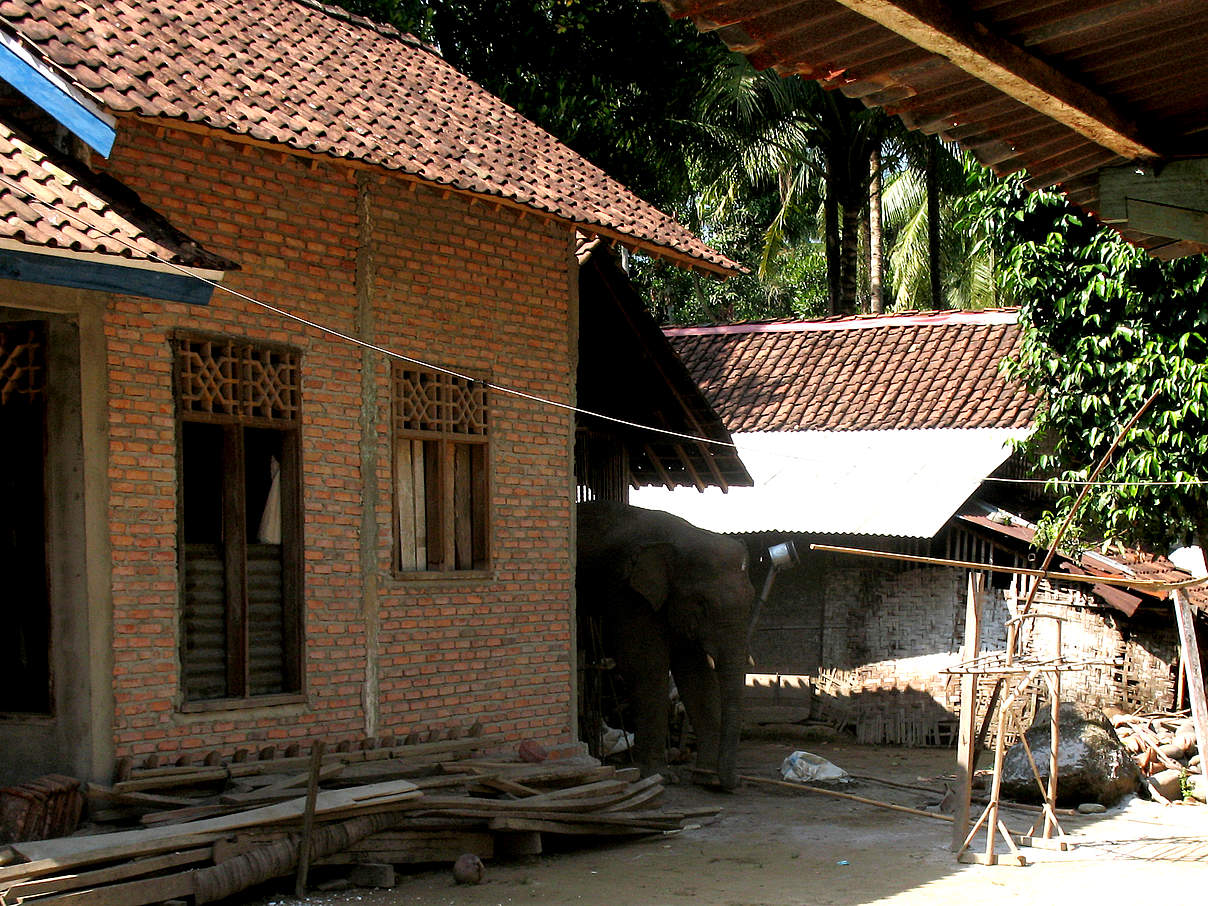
point(773, 846)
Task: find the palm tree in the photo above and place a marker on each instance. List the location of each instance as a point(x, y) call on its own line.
point(789, 138)
point(934, 253)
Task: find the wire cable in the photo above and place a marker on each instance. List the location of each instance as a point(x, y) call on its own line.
point(500, 388)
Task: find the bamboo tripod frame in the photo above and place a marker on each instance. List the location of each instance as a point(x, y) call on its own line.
point(1018, 673)
point(1022, 671)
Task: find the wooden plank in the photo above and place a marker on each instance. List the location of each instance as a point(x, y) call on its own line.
point(639, 794)
point(587, 791)
point(578, 828)
point(187, 814)
point(403, 848)
point(285, 788)
point(234, 532)
point(966, 747)
point(463, 506)
point(1173, 221)
point(293, 607)
point(127, 844)
point(448, 513)
point(180, 776)
point(1190, 651)
point(189, 777)
point(308, 817)
point(404, 504)
point(806, 788)
point(419, 503)
point(129, 893)
point(506, 786)
point(123, 871)
point(99, 794)
point(481, 494)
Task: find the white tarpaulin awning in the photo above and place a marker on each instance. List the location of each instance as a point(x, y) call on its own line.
point(896, 483)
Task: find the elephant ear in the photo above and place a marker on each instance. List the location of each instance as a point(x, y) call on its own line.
point(649, 572)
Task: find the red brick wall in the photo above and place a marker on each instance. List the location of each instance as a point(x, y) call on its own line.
point(458, 283)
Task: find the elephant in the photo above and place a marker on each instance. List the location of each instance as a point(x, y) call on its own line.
point(670, 597)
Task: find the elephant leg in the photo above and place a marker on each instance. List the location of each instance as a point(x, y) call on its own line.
point(643, 661)
point(700, 693)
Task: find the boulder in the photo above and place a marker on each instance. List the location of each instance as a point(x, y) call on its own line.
point(1092, 764)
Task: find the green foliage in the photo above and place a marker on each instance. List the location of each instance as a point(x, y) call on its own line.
point(1105, 327)
point(967, 260)
point(781, 148)
point(744, 158)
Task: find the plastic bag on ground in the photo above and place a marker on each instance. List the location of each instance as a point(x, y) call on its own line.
point(805, 767)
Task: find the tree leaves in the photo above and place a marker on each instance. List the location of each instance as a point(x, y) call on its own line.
point(1104, 327)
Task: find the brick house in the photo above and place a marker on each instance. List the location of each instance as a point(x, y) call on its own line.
point(891, 433)
point(332, 497)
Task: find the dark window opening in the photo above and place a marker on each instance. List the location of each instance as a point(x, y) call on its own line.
point(25, 674)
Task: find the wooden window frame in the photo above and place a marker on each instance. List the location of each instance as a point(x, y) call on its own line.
point(277, 409)
point(448, 428)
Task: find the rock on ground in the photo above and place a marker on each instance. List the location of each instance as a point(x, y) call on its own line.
point(1092, 764)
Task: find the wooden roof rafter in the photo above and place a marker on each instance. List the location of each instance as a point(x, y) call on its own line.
point(940, 28)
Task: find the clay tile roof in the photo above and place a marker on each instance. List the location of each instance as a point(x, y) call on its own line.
point(316, 79)
point(82, 212)
point(865, 373)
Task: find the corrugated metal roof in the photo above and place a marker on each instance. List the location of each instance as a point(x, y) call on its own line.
point(885, 483)
point(1063, 88)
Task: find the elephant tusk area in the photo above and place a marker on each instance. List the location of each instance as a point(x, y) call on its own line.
point(712, 663)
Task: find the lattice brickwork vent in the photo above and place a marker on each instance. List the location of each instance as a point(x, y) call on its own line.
point(22, 363)
point(439, 404)
point(238, 381)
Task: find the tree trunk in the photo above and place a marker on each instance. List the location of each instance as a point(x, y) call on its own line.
point(849, 259)
point(933, 223)
point(830, 210)
point(876, 259)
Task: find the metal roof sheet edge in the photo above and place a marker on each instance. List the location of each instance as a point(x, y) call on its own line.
point(983, 317)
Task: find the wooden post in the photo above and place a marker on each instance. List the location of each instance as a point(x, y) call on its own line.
point(308, 818)
point(1193, 670)
point(966, 748)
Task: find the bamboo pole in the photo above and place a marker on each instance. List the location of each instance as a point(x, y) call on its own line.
point(1193, 670)
point(966, 752)
point(805, 788)
point(1122, 581)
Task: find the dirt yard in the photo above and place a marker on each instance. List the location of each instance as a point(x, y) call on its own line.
point(772, 846)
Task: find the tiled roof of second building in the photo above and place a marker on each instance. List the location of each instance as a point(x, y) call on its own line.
point(871, 373)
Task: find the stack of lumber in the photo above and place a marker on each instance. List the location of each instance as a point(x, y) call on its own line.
point(1159, 741)
point(204, 832)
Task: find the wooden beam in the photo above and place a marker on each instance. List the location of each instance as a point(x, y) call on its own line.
point(1193, 670)
point(939, 27)
point(966, 751)
point(1172, 221)
point(1153, 585)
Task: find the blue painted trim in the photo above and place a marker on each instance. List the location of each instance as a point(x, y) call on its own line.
point(29, 267)
point(45, 90)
